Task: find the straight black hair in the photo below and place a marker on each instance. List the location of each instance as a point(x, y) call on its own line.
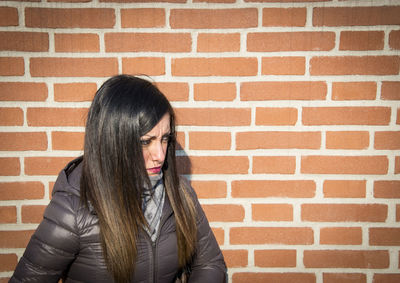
point(114, 174)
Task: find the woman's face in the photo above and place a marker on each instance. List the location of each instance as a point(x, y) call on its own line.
point(154, 145)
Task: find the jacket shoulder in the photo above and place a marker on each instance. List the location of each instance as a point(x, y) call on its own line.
point(56, 241)
point(68, 179)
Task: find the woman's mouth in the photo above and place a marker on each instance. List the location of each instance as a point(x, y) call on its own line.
point(154, 170)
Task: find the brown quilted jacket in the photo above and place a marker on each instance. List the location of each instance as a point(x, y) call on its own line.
point(66, 244)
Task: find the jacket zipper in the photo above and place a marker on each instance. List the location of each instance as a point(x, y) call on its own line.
point(154, 245)
point(154, 249)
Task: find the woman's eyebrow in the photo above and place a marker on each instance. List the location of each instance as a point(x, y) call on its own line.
point(153, 137)
point(148, 137)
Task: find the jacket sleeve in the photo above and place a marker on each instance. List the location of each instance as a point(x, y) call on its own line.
point(54, 244)
point(208, 264)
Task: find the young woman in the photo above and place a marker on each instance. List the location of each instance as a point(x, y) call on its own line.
point(120, 213)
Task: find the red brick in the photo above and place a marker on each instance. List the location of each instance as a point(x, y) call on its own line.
point(9, 166)
point(262, 277)
point(346, 259)
point(250, 91)
point(271, 235)
point(224, 212)
point(66, 117)
point(69, 18)
point(205, 67)
point(353, 90)
point(8, 214)
point(214, 1)
point(24, 41)
point(344, 188)
point(218, 42)
point(354, 65)
point(275, 258)
point(340, 236)
point(361, 40)
point(180, 141)
point(67, 140)
point(283, 1)
point(235, 258)
point(390, 91)
point(76, 42)
point(66, 1)
point(219, 235)
point(142, 18)
point(174, 91)
point(384, 236)
point(276, 116)
point(8, 16)
point(371, 165)
point(219, 164)
point(213, 116)
point(147, 42)
point(344, 212)
point(210, 189)
point(274, 164)
point(273, 188)
point(214, 91)
point(73, 67)
point(386, 278)
point(397, 212)
point(286, 17)
point(290, 41)
point(23, 91)
point(275, 139)
point(346, 115)
point(347, 140)
point(272, 212)
point(45, 165)
point(387, 140)
point(387, 189)
point(397, 165)
point(394, 39)
point(213, 18)
point(11, 116)
point(8, 262)
point(344, 278)
point(151, 66)
point(209, 140)
point(32, 213)
point(283, 66)
point(74, 92)
point(22, 141)
point(15, 239)
point(398, 117)
point(12, 66)
point(141, 1)
point(356, 16)
point(21, 190)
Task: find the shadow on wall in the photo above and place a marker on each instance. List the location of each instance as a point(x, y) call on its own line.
point(183, 163)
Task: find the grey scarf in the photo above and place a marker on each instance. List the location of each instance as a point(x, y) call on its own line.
point(152, 204)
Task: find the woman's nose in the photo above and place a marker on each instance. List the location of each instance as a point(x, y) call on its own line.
point(157, 152)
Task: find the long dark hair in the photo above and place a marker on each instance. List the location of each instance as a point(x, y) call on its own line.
point(113, 175)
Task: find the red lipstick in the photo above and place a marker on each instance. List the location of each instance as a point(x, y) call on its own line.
point(154, 170)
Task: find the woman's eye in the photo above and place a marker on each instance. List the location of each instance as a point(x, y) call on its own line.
point(144, 142)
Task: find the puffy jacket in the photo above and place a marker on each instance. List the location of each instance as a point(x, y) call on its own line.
point(67, 245)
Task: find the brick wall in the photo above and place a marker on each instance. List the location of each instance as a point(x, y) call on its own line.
point(288, 110)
